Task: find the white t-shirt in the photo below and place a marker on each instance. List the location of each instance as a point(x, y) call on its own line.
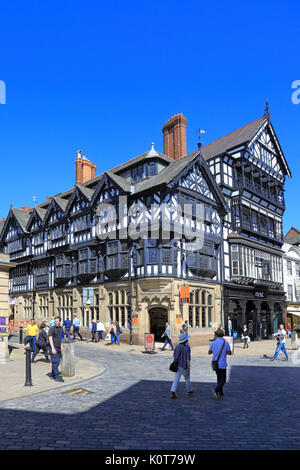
point(282, 336)
point(100, 326)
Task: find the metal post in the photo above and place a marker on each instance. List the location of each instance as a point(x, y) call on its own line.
point(28, 382)
point(21, 335)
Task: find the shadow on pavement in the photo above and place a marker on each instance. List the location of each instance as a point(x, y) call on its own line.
point(260, 410)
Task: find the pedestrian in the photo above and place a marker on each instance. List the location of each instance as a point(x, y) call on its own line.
point(76, 326)
point(52, 322)
point(289, 331)
point(220, 349)
point(32, 332)
point(42, 343)
point(112, 332)
point(185, 327)
point(182, 357)
point(100, 330)
point(118, 332)
point(280, 337)
point(168, 337)
point(56, 348)
point(94, 331)
point(245, 336)
point(68, 325)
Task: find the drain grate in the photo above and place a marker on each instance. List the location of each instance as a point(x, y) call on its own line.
point(77, 391)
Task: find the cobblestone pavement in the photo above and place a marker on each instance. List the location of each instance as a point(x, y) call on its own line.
point(129, 407)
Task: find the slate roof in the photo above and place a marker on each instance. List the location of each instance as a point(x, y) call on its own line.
point(22, 217)
point(87, 192)
point(234, 139)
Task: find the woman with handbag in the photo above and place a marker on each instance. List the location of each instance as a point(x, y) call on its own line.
point(182, 362)
point(112, 331)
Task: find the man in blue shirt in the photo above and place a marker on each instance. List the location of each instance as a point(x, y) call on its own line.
point(219, 348)
point(76, 326)
point(67, 324)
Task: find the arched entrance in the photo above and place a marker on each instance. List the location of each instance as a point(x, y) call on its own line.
point(157, 318)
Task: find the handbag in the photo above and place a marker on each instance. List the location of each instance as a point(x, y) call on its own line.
point(214, 364)
point(174, 366)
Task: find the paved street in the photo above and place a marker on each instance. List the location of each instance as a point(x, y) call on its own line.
point(129, 407)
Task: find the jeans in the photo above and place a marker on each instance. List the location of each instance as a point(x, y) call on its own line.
point(186, 374)
point(168, 341)
point(55, 359)
point(221, 378)
point(32, 342)
point(38, 348)
point(68, 334)
point(100, 335)
point(112, 336)
point(94, 333)
point(281, 346)
point(117, 337)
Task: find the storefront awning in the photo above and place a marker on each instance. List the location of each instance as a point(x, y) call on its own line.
point(290, 312)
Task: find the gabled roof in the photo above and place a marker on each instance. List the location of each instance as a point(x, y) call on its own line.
point(173, 172)
point(123, 183)
point(242, 137)
point(22, 217)
point(234, 139)
point(62, 203)
point(86, 192)
point(36, 212)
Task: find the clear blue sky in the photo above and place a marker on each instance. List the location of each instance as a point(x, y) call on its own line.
point(105, 76)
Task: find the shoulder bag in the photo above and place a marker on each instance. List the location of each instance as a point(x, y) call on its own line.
point(214, 364)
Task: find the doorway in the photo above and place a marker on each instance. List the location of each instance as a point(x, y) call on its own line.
point(158, 318)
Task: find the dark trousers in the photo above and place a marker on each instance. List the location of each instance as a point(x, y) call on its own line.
point(38, 347)
point(55, 359)
point(167, 341)
point(76, 330)
point(221, 379)
point(94, 338)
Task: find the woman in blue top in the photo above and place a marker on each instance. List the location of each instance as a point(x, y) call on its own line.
point(182, 355)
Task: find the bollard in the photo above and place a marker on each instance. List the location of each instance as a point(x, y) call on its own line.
point(28, 382)
point(294, 340)
point(68, 360)
point(21, 335)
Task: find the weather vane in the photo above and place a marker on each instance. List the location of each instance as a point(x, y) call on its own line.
point(200, 132)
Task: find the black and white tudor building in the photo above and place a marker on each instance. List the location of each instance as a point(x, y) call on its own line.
point(234, 192)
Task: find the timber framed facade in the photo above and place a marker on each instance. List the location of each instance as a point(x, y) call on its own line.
point(69, 243)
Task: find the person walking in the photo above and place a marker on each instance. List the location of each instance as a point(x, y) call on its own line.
point(245, 336)
point(56, 348)
point(32, 331)
point(118, 332)
point(182, 357)
point(68, 325)
point(52, 322)
point(281, 337)
point(42, 343)
point(100, 330)
point(168, 337)
point(289, 331)
point(185, 327)
point(76, 326)
point(94, 331)
point(220, 349)
point(112, 332)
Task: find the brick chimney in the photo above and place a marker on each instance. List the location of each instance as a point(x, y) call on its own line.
point(25, 208)
point(85, 170)
point(174, 132)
